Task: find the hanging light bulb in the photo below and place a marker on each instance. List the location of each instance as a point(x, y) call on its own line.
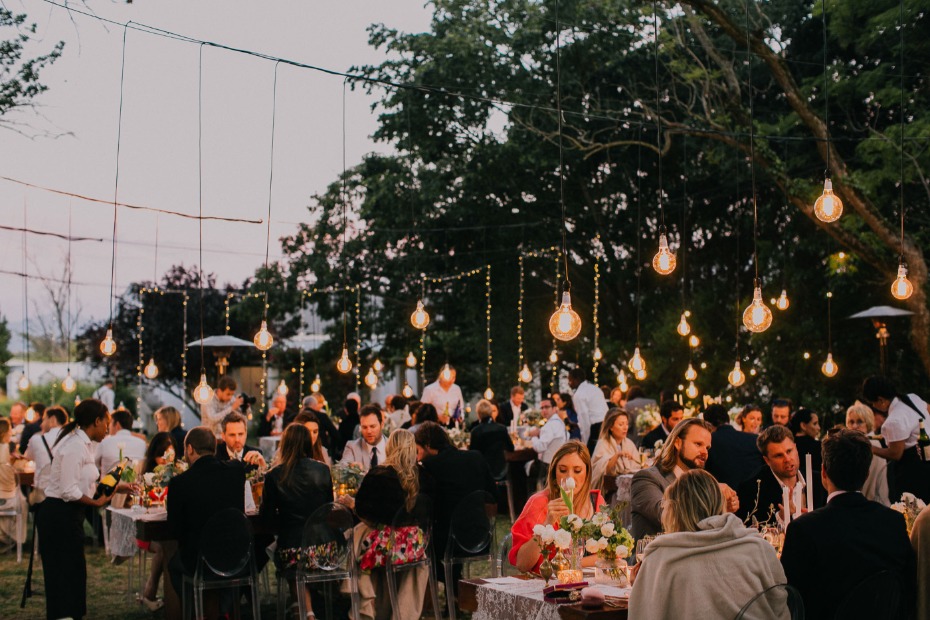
point(68, 384)
point(664, 261)
point(377, 365)
point(636, 363)
point(411, 360)
point(691, 391)
point(683, 327)
point(23, 383)
point(902, 288)
point(446, 373)
point(371, 379)
point(640, 374)
point(565, 324)
point(263, 339)
point(407, 391)
point(489, 394)
point(829, 367)
point(77, 400)
point(150, 370)
point(420, 317)
point(597, 355)
point(282, 388)
point(736, 377)
point(690, 374)
point(344, 364)
point(30, 415)
point(757, 317)
point(315, 386)
point(783, 302)
point(553, 357)
point(694, 341)
point(828, 207)
point(621, 381)
point(108, 346)
point(203, 393)
point(525, 375)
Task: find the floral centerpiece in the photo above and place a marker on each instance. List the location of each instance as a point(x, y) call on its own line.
point(647, 419)
point(910, 506)
point(460, 438)
point(531, 417)
point(603, 535)
point(346, 478)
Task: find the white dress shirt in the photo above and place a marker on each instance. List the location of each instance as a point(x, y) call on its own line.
point(106, 395)
point(550, 439)
point(37, 453)
point(440, 398)
point(109, 448)
point(591, 407)
point(358, 451)
point(903, 423)
point(73, 473)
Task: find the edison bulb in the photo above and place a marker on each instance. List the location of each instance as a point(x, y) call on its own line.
point(683, 327)
point(371, 379)
point(108, 346)
point(597, 355)
point(315, 386)
point(420, 317)
point(565, 323)
point(282, 388)
point(30, 415)
point(828, 207)
point(411, 360)
point(553, 357)
point(446, 373)
point(377, 365)
point(23, 383)
point(664, 261)
point(150, 370)
point(525, 375)
point(68, 384)
point(637, 363)
point(407, 391)
point(902, 288)
point(203, 393)
point(829, 367)
point(694, 341)
point(624, 387)
point(736, 377)
point(691, 373)
point(691, 391)
point(757, 317)
point(783, 302)
point(489, 394)
point(344, 364)
point(640, 374)
point(263, 339)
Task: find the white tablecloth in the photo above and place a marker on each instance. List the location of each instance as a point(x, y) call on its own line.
point(123, 528)
point(269, 446)
point(511, 597)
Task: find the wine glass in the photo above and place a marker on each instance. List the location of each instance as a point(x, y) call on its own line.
point(641, 545)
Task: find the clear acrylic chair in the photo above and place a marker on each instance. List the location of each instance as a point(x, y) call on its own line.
point(779, 602)
point(422, 517)
point(876, 597)
point(471, 536)
point(13, 508)
point(226, 560)
point(502, 480)
point(502, 562)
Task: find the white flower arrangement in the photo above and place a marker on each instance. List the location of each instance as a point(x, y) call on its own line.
point(658, 445)
point(575, 522)
point(545, 534)
point(563, 539)
point(910, 506)
point(647, 419)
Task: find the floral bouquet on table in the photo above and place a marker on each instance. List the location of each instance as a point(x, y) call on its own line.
point(603, 535)
point(910, 506)
point(459, 438)
point(346, 478)
point(155, 488)
point(531, 417)
point(647, 419)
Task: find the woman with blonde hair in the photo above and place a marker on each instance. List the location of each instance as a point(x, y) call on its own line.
point(701, 538)
point(859, 417)
point(615, 453)
point(168, 420)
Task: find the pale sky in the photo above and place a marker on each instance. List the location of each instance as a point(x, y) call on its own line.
point(158, 158)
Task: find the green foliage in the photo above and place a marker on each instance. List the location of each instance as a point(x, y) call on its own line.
point(5, 354)
point(19, 77)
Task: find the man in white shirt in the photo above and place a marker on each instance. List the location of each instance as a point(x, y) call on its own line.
point(590, 405)
point(368, 450)
point(40, 445)
point(445, 395)
point(549, 439)
point(121, 442)
point(213, 412)
point(106, 395)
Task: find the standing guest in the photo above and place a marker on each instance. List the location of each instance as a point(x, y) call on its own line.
point(224, 402)
point(11, 496)
point(781, 411)
point(900, 430)
point(615, 453)
point(491, 439)
point(329, 434)
point(685, 449)
point(565, 407)
point(121, 443)
point(30, 427)
point(168, 420)
point(735, 456)
point(311, 422)
point(39, 450)
point(750, 419)
point(106, 394)
point(700, 537)
point(920, 541)
point(370, 449)
point(616, 398)
point(233, 446)
point(60, 523)
point(670, 414)
point(296, 486)
point(805, 424)
point(548, 440)
point(17, 416)
point(514, 407)
point(831, 551)
point(272, 423)
point(445, 395)
point(590, 405)
point(859, 417)
point(761, 497)
point(547, 507)
point(349, 422)
point(636, 401)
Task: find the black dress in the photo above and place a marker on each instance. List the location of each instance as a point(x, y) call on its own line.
point(286, 507)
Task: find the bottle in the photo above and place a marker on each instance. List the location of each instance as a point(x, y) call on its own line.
point(923, 443)
point(108, 483)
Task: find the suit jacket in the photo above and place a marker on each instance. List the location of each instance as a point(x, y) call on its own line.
point(505, 412)
point(734, 456)
point(196, 495)
point(829, 551)
point(646, 494)
point(765, 485)
point(223, 456)
point(358, 451)
point(656, 434)
point(492, 439)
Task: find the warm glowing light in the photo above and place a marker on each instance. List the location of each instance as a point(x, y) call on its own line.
point(525, 375)
point(694, 341)
point(597, 355)
point(282, 388)
point(377, 365)
point(203, 393)
point(664, 261)
point(68, 384)
point(553, 357)
point(829, 367)
point(30, 415)
point(640, 374)
point(151, 370)
point(446, 373)
point(902, 288)
point(691, 391)
point(636, 363)
point(690, 374)
point(420, 317)
point(411, 360)
point(344, 364)
point(703, 365)
point(736, 377)
point(782, 302)
point(108, 346)
point(683, 327)
point(23, 383)
point(315, 386)
point(371, 379)
point(828, 207)
point(757, 317)
point(565, 323)
point(407, 391)
point(807, 355)
point(752, 372)
point(489, 394)
point(263, 339)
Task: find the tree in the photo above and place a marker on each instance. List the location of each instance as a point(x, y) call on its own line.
point(5, 354)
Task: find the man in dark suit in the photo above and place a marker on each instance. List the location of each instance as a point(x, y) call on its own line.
point(761, 497)
point(829, 553)
point(735, 456)
point(671, 414)
point(233, 448)
point(513, 407)
point(492, 440)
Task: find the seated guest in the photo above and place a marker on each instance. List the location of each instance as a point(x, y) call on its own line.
point(920, 541)
point(295, 487)
point(424, 413)
point(168, 420)
point(830, 552)
point(121, 443)
point(161, 444)
point(546, 507)
point(512, 409)
point(329, 434)
point(750, 419)
point(636, 401)
point(565, 408)
point(547, 440)
point(272, 423)
point(685, 449)
point(232, 447)
point(700, 537)
point(369, 450)
point(32, 426)
point(614, 453)
point(11, 496)
point(805, 424)
point(859, 417)
point(781, 411)
point(398, 411)
point(491, 439)
point(735, 456)
point(349, 421)
point(670, 414)
point(761, 497)
point(17, 422)
point(312, 423)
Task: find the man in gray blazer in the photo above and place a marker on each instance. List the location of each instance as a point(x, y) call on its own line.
point(368, 450)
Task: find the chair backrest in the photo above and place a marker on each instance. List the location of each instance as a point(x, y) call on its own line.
point(471, 530)
point(877, 596)
point(226, 542)
point(504, 567)
point(326, 536)
point(774, 603)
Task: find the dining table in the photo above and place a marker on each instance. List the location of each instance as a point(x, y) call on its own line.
point(522, 597)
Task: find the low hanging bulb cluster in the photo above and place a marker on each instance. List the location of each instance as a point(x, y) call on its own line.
point(782, 302)
point(757, 317)
point(829, 367)
point(282, 388)
point(377, 365)
point(690, 374)
point(525, 375)
point(446, 374)
point(315, 385)
point(23, 383)
point(621, 382)
point(736, 377)
point(108, 345)
point(344, 365)
point(565, 324)
point(419, 318)
point(263, 339)
point(828, 207)
point(553, 357)
point(902, 288)
point(640, 374)
point(664, 261)
point(684, 328)
point(151, 370)
point(407, 391)
point(371, 378)
point(693, 341)
point(637, 363)
point(489, 394)
point(203, 393)
point(691, 391)
point(411, 360)
point(68, 384)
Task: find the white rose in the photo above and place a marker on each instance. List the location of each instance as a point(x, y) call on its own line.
point(608, 529)
point(563, 539)
point(575, 522)
point(591, 546)
point(622, 551)
point(149, 479)
point(602, 543)
point(538, 529)
point(548, 534)
point(600, 518)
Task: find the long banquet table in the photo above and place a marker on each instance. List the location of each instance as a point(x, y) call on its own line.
point(492, 599)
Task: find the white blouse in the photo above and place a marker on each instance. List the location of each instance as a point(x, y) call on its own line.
point(73, 473)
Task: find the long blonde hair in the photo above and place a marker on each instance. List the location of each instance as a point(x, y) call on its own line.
point(689, 500)
point(582, 492)
point(401, 451)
